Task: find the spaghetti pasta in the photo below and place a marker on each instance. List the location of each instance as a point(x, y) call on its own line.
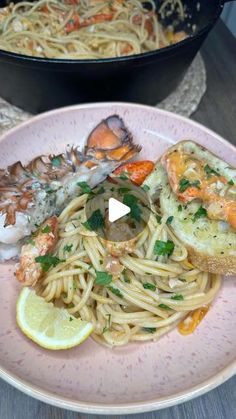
point(87, 29)
point(137, 295)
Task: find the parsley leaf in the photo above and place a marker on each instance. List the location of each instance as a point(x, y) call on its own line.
point(105, 329)
point(158, 218)
point(149, 329)
point(146, 188)
point(47, 261)
point(196, 184)
point(231, 182)
point(95, 222)
point(162, 248)
point(115, 291)
point(30, 241)
point(209, 171)
point(164, 306)
point(123, 176)
point(48, 190)
point(185, 184)
point(67, 247)
point(126, 278)
point(56, 161)
point(180, 208)
point(84, 187)
point(177, 297)
point(169, 220)
point(149, 286)
point(71, 318)
point(123, 190)
point(46, 229)
point(103, 278)
point(100, 190)
point(71, 305)
point(201, 212)
point(132, 202)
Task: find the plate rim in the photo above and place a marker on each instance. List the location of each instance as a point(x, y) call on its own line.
point(121, 408)
point(127, 407)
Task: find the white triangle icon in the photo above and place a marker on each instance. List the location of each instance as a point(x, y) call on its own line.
point(116, 210)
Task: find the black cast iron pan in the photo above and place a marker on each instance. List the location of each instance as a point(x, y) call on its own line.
point(38, 84)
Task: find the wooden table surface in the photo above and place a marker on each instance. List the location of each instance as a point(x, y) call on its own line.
point(218, 112)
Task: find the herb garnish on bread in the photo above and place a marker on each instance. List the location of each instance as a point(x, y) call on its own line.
point(198, 190)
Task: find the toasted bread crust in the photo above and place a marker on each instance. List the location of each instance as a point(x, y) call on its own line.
point(223, 265)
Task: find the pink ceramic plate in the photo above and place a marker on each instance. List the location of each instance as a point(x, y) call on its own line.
point(138, 377)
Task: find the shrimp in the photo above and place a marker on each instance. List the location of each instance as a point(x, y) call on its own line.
point(189, 180)
point(136, 171)
point(75, 22)
point(28, 271)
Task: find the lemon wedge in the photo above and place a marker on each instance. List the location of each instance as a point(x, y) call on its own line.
point(49, 326)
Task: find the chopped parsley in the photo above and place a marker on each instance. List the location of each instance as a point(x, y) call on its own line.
point(123, 176)
point(201, 212)
point(158, 218)
point(180, 208)
point(146, 188)
point(132, 202)
point(71, 318)
point(231, 182)
point(123, 190)
point(164, 306)
point(105, 329)
point(115, 291)
point(95, 222)
point(47, 261)
point(48, 190)
point(177, 297)
point(84, 187)
point(126, 278)
point(100, 190)
point(149, 286)
point(149, 329)
point(162, 248)
point(182, 280)
point(169, 220)
point(209, 171)
point(56, 161)
point(67, 247)
point(30, 241)
point(47, 229)
point(103, 278)
point(185, 184)
point(71, 305)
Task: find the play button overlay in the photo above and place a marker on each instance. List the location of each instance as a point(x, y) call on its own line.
point(117, 210)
